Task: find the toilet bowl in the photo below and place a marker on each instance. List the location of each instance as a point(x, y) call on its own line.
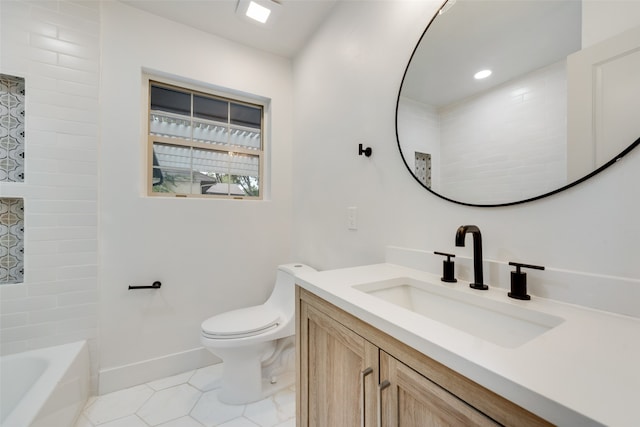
point(247, 337)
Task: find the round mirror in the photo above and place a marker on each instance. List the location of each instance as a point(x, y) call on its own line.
point(508, 101)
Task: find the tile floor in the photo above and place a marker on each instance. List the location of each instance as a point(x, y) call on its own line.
point(186, 400)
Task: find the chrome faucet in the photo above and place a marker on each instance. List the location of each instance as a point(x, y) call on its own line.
point(477, 253)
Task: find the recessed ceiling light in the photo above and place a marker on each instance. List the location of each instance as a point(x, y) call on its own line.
point(482, 74)
point(258, 12)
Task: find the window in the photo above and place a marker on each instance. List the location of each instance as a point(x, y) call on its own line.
point(201, 144)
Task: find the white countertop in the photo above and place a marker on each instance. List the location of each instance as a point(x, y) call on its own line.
point(585, 371)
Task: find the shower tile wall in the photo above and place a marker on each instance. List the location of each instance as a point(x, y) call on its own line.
point(55, 46)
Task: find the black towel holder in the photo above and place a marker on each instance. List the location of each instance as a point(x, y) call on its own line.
point(154, 285)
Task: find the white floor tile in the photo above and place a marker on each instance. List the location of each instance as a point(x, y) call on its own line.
point(171, 381)
point(117, 404)
point(286, 403)
point(130, 421)
point(264, 413)
point(239, 422)
point(186, 400)
point(169, 404)
point(211, 412)
point(182, 422)
point(208, 378)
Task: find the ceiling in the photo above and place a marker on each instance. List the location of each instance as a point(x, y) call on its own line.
point(294, 25)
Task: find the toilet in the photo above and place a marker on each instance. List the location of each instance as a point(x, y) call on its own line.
point(248, 338)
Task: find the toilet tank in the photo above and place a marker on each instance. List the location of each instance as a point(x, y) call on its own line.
point(283, 295)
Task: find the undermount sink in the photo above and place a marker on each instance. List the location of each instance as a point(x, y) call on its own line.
point(504, 324)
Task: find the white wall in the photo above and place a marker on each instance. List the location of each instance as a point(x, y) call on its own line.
point(210, 255)
point(362, 52)
point(54, 46)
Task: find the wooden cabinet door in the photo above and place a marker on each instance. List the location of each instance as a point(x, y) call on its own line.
point(412, 400)
point(338, 373)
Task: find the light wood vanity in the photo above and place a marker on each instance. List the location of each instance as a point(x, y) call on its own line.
point(352, 374)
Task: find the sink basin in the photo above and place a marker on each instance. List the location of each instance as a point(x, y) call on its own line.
point(504, 324)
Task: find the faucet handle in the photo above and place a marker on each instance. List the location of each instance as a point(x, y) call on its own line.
point(448, 268)
point(519, 280)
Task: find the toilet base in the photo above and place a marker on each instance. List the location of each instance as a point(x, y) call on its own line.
point(252, 373)
point(242, 372)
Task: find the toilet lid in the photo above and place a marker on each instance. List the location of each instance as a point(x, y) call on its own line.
point(241, 323)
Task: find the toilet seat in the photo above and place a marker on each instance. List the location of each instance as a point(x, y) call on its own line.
point(245, 322)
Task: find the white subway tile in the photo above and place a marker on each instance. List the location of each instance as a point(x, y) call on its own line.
point(41, 55)
point(42, 261)
point(42, 28)
point(64, 180)
point(12, 291)
point(55, 288)
point(74, 325)
point(52, 150)
point(75, 143)
point(90, 41)
point(42, 247)
point(88, 10)
point(90, 89)
point(62, 233)
point(36, 81)
point(63, 126)
point(43, 165)
point(63, 73)
point(63, 20)
point(35, 275)
point(77, 220)
point(78, 258)
point(75, 167)
point(17, 10)
point(13, 320)
point(14, 347)
point(88, 245)
point(77, 298)
point(76, 194)
point(62, 313)
point(72, 114)
point(46, 4)
point(55, 45)
point(27, 304)
point(27, 332)
point(78, 63)
point(77, 272)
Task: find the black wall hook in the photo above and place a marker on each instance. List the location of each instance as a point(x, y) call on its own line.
point(154, 285)
point(366, 151)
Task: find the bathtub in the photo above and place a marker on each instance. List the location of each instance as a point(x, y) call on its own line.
point(44, 388)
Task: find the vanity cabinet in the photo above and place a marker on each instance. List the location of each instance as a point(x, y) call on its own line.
point(351, 374)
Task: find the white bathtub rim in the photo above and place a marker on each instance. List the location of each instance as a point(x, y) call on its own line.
point(25, 413)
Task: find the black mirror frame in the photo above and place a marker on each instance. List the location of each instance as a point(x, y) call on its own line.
point(531, 199)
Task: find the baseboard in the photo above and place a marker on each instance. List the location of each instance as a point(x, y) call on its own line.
point(121, 377)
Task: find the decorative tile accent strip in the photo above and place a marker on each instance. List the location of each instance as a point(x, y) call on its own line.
point(423, 168)
point(11, 240)
point(12, 93)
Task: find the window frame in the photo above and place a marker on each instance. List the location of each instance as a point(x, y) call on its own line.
point(223, 94)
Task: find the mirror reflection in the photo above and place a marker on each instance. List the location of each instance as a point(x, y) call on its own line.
point(559, 97)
